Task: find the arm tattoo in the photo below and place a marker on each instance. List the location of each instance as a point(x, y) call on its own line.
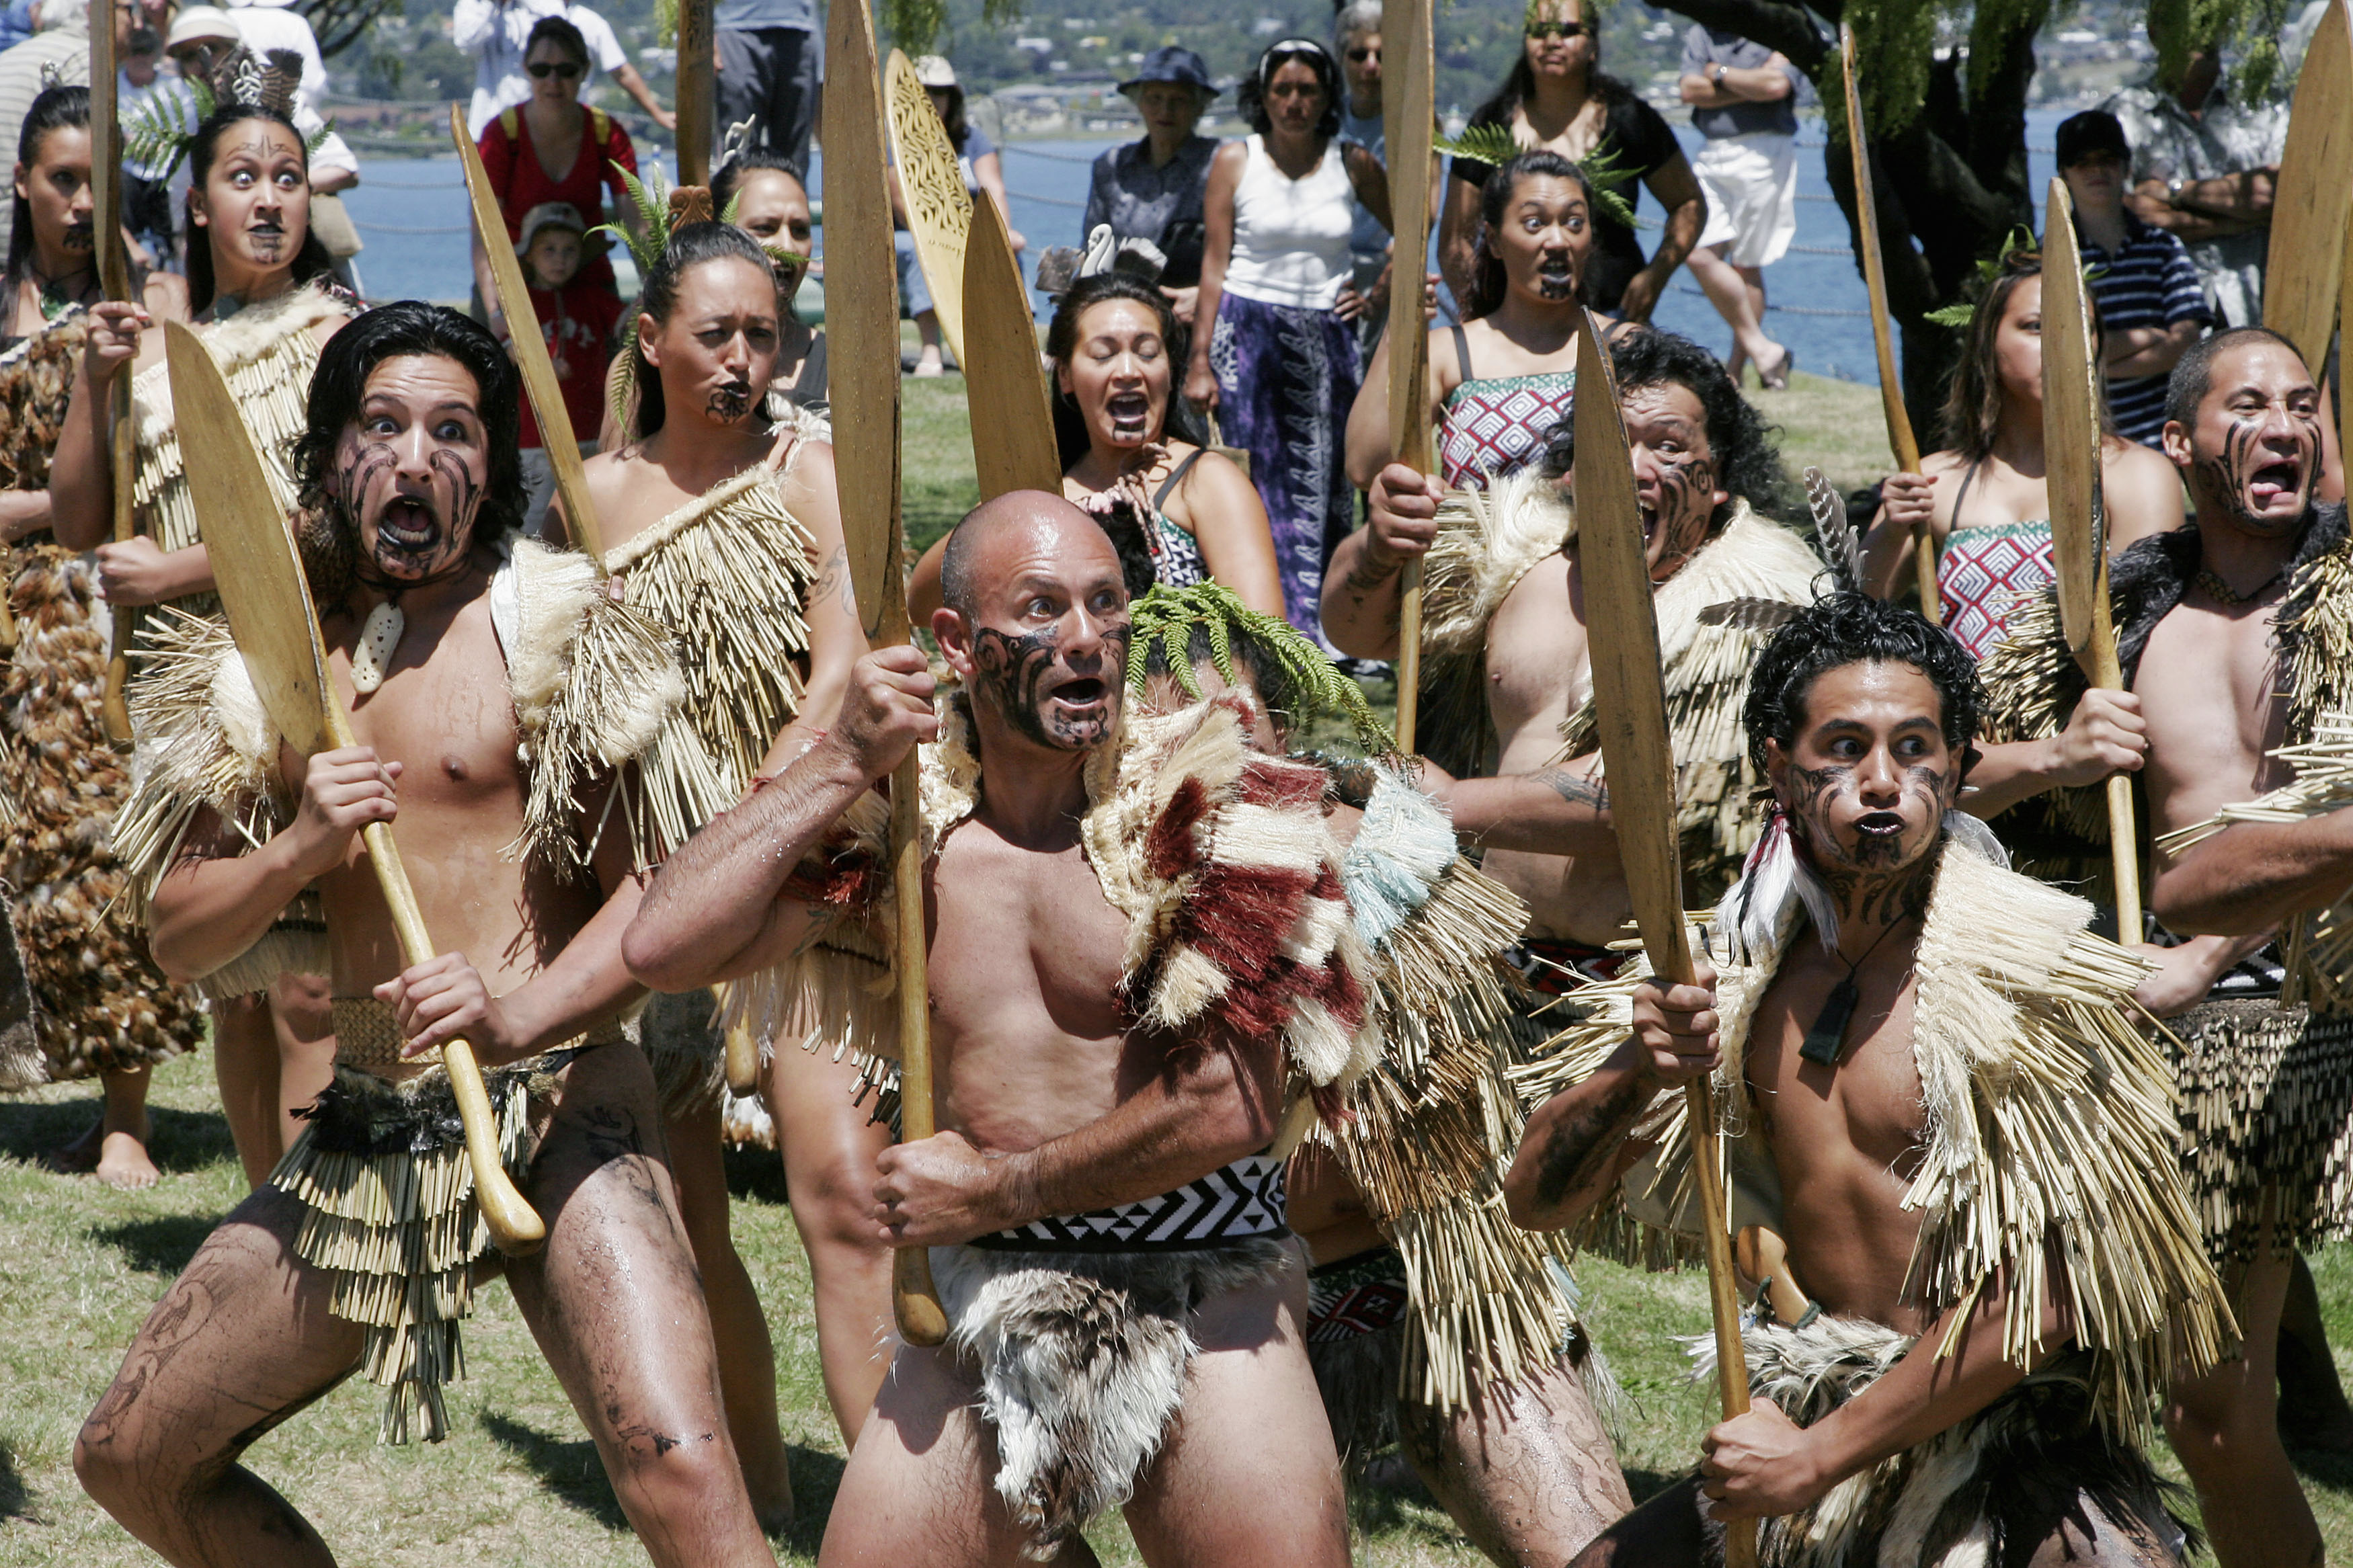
point(1582, 1143)
point(1574, 788)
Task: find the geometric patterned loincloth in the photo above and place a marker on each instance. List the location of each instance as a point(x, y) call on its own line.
point(1357, 1321)
point(2267, 1108)
point(1355, 1296)
point(388, 1195)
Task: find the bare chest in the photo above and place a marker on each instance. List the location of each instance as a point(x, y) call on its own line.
point(444, 713)
point(2208, 685)
point(1860, 1115)
point(1538, 669)
point(1024, 943)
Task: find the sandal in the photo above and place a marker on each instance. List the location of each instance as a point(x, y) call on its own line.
point(1777, 379)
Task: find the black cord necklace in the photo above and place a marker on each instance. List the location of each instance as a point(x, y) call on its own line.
point(1826, 1041)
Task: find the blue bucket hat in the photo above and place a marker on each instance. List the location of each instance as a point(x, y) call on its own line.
point(1173, 63)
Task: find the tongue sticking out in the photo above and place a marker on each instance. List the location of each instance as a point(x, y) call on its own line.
point(2272, 481)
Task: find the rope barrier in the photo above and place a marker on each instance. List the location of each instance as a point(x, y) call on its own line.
point(1042, 201)
point(1050, 157)
point(1819, 251)
point(1786, 310)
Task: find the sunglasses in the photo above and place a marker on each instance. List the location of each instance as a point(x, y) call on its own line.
point(546, 68)
point(1358, 57)
point(1559, 30)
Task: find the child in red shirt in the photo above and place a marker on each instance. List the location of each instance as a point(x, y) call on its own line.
point(577, 316)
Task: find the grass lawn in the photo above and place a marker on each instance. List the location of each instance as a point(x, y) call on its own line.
point(519, 1483)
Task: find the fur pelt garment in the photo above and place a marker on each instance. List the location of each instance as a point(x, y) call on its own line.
point(597, 693)
point(2047, 1135)
point(1082, 1360)
point(1985, 1492)
point(1430, 1131)
point(1217, 857)
point(1489, 541)
point(729, 574)
point(97, 1002)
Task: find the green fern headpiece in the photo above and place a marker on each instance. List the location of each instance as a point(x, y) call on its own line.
point(2021, 239)
point(1603, 169)
point(1174, 626)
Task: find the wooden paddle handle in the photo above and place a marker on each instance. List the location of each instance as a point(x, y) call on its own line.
point(915, 1299)
point(2124, 849)
point(120, 454)
point(742, 1061)
point(1409, 659)
point(117, 675)
point(1722, 1294)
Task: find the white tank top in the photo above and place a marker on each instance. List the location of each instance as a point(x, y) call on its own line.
point(1291, 236)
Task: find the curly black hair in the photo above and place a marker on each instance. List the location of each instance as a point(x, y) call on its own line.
point(1747, 464)
point(1855, 628)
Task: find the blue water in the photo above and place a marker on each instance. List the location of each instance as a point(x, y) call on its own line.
point(412, 214)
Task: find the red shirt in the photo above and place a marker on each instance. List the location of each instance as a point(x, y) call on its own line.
point(522, 184)
point(577, 324)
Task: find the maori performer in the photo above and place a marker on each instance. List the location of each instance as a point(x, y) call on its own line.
point(724, 527)
point(1432, 1323)
point(2230, 632)
point(258, 284)
point(100, 1008)
point(1935, 1091)
point(521, 707)
point(1140, 936)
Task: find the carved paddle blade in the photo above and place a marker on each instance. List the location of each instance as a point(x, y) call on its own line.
point(1012, 424)
point(939, 209)
point(1630, 699)
point(861, 310)
point(2071, 434)
point(2314, 198)
point(254, 561)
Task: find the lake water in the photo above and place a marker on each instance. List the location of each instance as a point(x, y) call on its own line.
point(412, 214)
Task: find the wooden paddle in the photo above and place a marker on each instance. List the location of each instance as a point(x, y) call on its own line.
point(2312, 202)
point(529, 346)
point(698, 92)
point(1875, 282)
point(277, 631)
point(1630, 702)
point(1004, 382)
point(115, 282)
point(939, 209)
point(2072, 474)
point(862, 317)
point(1407, 107)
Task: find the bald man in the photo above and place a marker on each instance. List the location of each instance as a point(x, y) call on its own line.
point(1106, 1219)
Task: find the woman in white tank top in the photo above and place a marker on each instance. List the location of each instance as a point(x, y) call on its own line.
point(1277, 362)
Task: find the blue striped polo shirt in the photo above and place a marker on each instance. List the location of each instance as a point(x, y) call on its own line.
point(2150, 282)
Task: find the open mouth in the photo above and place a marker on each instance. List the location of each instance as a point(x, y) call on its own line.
point(1087, 691)
point(408, 523)
point(1556, 278)
point(1130, 412)
point(1880, 825)
point(2273, 480)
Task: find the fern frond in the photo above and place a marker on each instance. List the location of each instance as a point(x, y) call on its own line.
point(1488, 144)
point(1303, 681)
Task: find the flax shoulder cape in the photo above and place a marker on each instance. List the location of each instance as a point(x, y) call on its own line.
point(267, 352)
point(1431, 1129)
point(1218, 858)
point(99, 1002)
point(597, 689)
point(2046, 1114)
point(2032, 684)
point(1487, 542)
point(729, 574)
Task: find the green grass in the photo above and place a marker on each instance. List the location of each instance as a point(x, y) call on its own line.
point(518, 1483)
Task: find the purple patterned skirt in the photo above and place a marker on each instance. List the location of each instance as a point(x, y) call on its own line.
point(1286, 379)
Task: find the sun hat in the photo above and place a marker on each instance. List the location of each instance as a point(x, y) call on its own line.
point(1174, 63)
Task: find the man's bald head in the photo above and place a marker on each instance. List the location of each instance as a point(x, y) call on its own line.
point(1014, 520)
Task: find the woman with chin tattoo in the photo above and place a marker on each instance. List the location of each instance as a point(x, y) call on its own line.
point(724, 526)
point(100, 1008)
point(260, 290)
point(1519, 323)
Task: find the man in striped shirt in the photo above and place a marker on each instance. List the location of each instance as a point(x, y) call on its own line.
point(2151, 307)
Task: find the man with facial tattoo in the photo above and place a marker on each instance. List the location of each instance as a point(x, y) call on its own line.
point(2231, 633)
point(498, 698)
point(1137, 936)
point(1932, 1089)
point(1507, 680)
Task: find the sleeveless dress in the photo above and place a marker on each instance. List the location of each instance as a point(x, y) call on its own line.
point(1497, 425)
point(1175, 553)
point(1286, 364)
point(1984, 572)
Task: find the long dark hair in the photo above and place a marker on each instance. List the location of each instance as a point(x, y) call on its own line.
point(1062, 341)
point(690, 245)
point(1488, 281)
point(339, 385)
point(564, 36)
point(204, 148)
point(1250, 98)
point(1972, 412)
point(58, 108)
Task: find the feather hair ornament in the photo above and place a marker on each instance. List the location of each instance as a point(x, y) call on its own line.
point(1834, 537)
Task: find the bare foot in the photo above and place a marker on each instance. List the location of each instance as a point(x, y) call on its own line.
point(124, 1164)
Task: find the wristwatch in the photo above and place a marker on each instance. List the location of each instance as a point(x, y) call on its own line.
point(1719, 78)
point(2173, 189)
